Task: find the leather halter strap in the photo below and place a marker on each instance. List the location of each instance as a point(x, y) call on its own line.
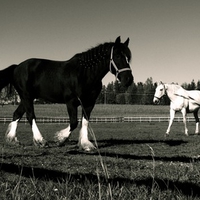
point(157, 97)
point(112, 62)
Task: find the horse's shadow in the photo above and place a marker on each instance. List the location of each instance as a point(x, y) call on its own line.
point(184, 159)
point(72, 149)
point(117, 142)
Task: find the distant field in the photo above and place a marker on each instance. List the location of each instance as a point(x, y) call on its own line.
point(100, 110)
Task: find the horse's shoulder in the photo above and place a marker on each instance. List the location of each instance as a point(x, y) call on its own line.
point(181, 91)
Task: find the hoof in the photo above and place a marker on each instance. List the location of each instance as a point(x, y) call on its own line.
point(61, 143)
point(12, 141)
point(42, 143)
point(60, 139)
point(90, 149)
point(87, 146)
point(166, 135)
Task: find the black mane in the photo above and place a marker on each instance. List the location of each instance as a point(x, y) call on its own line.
point(95, 55)
point(99, 53)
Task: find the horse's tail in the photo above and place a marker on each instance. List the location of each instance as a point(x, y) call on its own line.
point(6, 76)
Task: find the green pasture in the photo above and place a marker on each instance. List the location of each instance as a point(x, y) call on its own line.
point(133, 160)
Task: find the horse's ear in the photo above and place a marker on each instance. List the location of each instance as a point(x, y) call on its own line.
point(160, 83)
point(126, 42)
point(118, 40)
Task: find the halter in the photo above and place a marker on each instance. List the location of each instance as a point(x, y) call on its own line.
point(115, 66)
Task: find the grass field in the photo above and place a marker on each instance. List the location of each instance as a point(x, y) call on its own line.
point(133, 161)
point(100, 110)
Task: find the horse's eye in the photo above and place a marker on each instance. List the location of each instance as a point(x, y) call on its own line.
point(161, 89)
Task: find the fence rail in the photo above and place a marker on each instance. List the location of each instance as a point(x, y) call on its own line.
point(60, 120)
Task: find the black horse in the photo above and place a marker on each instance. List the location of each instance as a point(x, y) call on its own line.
point(75, 82)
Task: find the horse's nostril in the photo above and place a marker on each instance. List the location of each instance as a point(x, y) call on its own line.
point(155, 101)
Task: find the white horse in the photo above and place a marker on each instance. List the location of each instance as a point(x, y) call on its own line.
point(181, 100)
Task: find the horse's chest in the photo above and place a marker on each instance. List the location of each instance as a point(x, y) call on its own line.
point(179, 104)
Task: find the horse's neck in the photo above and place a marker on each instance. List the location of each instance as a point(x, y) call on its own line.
point(173, 91)
point(170, 91)
point(96, 61)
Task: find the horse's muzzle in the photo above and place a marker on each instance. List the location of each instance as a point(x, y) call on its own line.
point(126, 80)
point(156, 100)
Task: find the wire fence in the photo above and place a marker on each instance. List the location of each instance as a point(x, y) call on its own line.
point(60, 120)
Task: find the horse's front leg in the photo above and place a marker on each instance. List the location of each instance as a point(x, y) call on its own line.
point(197, 121)
point(62, 135)
point(10, 135)
point(172, 115)
point(84, 142)
point(38, 139)
point(184, 121)
point(197, 128)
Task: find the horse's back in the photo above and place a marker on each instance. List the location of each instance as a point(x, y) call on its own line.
point(34, 64)
point(41, 78)
point(34, 69)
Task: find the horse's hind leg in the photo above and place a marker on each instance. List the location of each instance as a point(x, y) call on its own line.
point(184, 121)
point(10, 135)
point(197, 121)
point(38, 140)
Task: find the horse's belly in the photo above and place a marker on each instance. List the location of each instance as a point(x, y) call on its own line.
point(193, 107)
point(52, 98)
point(50, 95)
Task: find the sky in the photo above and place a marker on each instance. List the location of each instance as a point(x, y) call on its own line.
point(164, 34)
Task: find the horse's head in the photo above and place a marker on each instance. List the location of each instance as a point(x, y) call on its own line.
point(159, 93)
point(120, 62)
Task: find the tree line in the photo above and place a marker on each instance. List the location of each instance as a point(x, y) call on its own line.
point(138, 93)
point(114, 93)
